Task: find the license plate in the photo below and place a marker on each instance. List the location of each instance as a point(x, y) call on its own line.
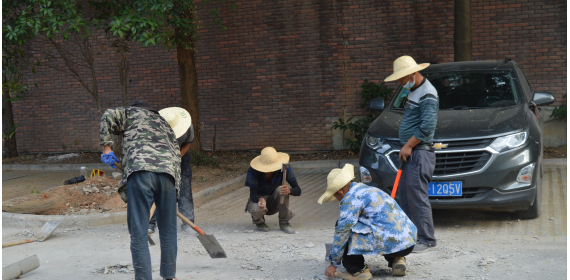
point(445, 189)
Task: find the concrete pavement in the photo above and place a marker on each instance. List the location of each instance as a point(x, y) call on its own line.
point(472, 244)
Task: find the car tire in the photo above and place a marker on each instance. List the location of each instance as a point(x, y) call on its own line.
point(533, 212)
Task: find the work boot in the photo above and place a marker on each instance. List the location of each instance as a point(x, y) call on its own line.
point(363, 274)
point(399, 267)
point(421, 247)
point(262, 227)
point(286, 227)
point(185, 228)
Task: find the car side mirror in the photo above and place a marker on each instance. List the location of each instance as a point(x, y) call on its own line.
point(543, 98)
point(376, 104)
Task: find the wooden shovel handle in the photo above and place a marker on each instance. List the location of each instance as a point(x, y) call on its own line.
point(152, 210)
point(17, 243)
point(285, 167)
point(119, 166)
point(192, 225)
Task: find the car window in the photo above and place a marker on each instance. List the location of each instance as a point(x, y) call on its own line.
point(524, 84)
point(463, 90)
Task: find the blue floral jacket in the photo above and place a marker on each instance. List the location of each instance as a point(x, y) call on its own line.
point(370, 223)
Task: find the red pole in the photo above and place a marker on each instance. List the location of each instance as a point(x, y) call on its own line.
point(395, 189)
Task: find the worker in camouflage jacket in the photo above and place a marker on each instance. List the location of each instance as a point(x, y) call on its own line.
point(151, 171)
point(370, 223)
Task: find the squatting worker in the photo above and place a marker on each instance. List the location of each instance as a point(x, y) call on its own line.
point(416, 135)
point(181, 123)
point(265, 179)
point(370, 223)
point(151, 171)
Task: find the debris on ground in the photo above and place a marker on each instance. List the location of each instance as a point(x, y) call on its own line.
point(94, 195)
point(123, 268)
point(25, 233)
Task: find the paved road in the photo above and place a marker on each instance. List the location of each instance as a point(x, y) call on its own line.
point(472, 244)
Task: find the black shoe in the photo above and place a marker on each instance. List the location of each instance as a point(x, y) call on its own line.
point(286, 227)
point(421, 247)
point(263, 227)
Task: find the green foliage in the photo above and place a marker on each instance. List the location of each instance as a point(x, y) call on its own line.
point(150, 22)
point(559, 112)
point(33, 190)
point(359, 127)
point(11, 131)
point(201, 158)
point(63, 146)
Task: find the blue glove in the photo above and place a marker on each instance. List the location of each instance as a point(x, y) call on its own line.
point(109, 159)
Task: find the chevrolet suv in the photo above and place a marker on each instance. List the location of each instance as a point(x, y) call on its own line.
point(488, 138)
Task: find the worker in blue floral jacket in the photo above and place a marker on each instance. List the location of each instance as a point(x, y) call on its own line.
point(370, 223)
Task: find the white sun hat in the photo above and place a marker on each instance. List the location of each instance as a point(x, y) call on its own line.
point(336, 180)
point(269, 160)
point(178, 118)
point(403, 66)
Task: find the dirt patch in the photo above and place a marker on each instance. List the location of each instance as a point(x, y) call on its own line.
point(95, 195)
point(556, 152)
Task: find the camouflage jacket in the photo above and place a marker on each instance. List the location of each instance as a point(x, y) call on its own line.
point(370, 223)
point(148, 143)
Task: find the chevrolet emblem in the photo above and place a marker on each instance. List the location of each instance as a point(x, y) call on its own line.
point(439, 146)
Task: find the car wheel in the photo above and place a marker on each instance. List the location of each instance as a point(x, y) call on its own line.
point(533, 212)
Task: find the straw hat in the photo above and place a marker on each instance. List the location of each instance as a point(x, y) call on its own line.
point(336, 180)
point(269, 160)
point(403, 66)
point(178, 118)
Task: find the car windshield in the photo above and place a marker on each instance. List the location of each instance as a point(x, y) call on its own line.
point(469, 90)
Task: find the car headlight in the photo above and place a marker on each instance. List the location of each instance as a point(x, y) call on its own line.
point(377, 144)
point(509, 142)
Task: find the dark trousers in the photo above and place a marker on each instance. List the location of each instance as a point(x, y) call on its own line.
point(355, 263)
point(185, 203)
point(142, 188)
point(413, 193)
point(273, 206)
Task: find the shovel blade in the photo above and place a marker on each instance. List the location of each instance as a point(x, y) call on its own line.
point(46, 230)
point(212, 245)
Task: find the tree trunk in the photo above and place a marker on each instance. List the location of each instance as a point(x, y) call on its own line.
point(7, 123)
point(189, 89)
point(462, 30)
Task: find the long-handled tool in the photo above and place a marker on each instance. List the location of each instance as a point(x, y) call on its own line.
point(284, 169)
point(46, 230)
point(150, 241)
point(397, 179)
point(208, 241)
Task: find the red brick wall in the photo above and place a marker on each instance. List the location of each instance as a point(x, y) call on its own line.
point(284, 69)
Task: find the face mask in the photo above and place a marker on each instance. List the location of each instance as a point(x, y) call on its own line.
point(407, 88)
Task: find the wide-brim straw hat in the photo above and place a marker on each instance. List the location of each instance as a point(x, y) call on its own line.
point(178, 118)
point(403, 66)
point(336, 180)
point(269, 160)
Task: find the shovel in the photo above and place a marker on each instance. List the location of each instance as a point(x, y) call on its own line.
point(397, 179)
point(46, 230)
point(208, 241)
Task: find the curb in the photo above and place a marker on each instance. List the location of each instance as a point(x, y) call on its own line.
point(92, 220)
point(313, 164)
point(58, 167)
point(324, 164)
point(555, 161)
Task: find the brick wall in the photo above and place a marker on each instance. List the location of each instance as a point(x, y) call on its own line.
point(285, 69)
